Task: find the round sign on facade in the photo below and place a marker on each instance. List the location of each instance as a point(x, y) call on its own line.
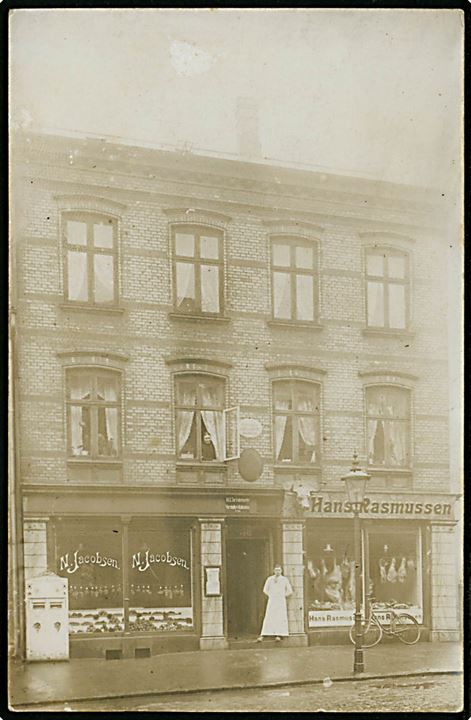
point(250, 464)
point(250, 428)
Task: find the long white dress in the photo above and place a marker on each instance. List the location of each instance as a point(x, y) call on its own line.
point(276, 615)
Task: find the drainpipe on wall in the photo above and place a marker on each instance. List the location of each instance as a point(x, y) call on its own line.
point(16, 595)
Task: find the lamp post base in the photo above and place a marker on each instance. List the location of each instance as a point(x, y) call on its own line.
point(358, 663)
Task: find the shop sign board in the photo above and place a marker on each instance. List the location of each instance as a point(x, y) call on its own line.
point(345, 618)
point(237, 503)
point(385, 506)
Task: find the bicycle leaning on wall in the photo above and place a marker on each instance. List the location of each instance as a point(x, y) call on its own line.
point(400, 625)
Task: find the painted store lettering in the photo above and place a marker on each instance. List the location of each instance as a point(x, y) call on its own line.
point(142, 561)
point(72, 562)
point(321, 505)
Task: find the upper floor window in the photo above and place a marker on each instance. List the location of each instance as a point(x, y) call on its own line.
point(205, 429)
point(93, 413)
point(387, 281)
point(198, 270)
point(90, 243)
point(296, 421)
point(388, 426)
point(294, 279)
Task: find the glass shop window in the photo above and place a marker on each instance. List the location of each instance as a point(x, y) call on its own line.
point(90, 271)
point(330, 575)
point(388, 426)
point(198, 271)
point(160, 590)
point(93, 412)
point(91, 560)
point(395, 571)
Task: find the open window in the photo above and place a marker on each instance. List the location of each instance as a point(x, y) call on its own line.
point(206, 431)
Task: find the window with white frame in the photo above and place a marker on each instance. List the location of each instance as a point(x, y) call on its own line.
point(294, 279)
point(198, 270)
point(296, 421)
point(388, 411)
point(93, 413)
point(205, 430)
point(90, 258)
point(387, 288)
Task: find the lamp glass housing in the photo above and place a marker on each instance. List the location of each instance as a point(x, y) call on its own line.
point(356, 483)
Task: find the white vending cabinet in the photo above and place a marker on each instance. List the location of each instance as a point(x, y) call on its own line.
point(47, 618)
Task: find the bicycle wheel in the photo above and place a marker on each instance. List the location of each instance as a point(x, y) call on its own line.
point(372, 634)
point(406, 628)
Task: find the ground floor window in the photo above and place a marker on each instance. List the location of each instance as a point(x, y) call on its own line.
point(133, 577)
point(392, 561)
point(329, 573)
point(394, 565)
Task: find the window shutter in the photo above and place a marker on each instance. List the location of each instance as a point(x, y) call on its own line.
point(231, 433)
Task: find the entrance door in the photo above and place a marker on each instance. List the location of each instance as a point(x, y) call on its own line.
point(246, 573)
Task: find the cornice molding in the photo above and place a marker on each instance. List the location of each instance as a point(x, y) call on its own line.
point(196, 364)
point(94, 203)
point(196, 215)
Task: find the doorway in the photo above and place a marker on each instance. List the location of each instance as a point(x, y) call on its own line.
point(246, 563)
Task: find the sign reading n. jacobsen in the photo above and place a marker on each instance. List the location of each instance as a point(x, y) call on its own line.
point(385, 507)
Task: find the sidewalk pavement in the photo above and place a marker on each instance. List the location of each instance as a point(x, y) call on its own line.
point(263, 666)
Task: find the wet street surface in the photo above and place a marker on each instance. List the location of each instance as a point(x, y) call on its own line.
point(439, 693)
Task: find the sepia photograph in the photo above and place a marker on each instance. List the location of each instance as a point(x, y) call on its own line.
point(235, 345)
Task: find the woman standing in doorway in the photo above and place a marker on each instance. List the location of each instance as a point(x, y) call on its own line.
point(277, 588)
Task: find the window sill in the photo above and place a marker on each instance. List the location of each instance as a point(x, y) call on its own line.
point(295, 324)
point(87, 461)
point(203, 465)
point(193, 318)
point(388, 471)
point(388, 332)
point(113, 310)
point(296, 468)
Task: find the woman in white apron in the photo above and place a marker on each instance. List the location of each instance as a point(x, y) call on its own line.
point(277, 588)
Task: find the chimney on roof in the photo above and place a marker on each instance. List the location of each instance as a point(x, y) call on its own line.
point(247, 127)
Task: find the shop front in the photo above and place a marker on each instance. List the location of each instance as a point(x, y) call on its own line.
point(157, 571)
point(402, 563)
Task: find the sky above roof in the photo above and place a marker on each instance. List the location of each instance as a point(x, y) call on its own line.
point(376, 93)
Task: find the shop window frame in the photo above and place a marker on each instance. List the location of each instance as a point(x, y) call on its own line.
point(370, 529)
point(178, 525)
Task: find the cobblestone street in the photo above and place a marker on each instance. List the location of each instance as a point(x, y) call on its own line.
point(425, 693)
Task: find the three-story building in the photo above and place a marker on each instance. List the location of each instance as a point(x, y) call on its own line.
point(200, 344)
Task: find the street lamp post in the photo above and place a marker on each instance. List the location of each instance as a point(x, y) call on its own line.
point(356, 481)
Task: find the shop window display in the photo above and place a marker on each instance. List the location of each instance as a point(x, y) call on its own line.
point(160, 581)
point(330, 577)
point(92, 563)
point(394, 572)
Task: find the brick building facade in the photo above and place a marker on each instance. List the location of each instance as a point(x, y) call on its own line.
point(199, 345)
